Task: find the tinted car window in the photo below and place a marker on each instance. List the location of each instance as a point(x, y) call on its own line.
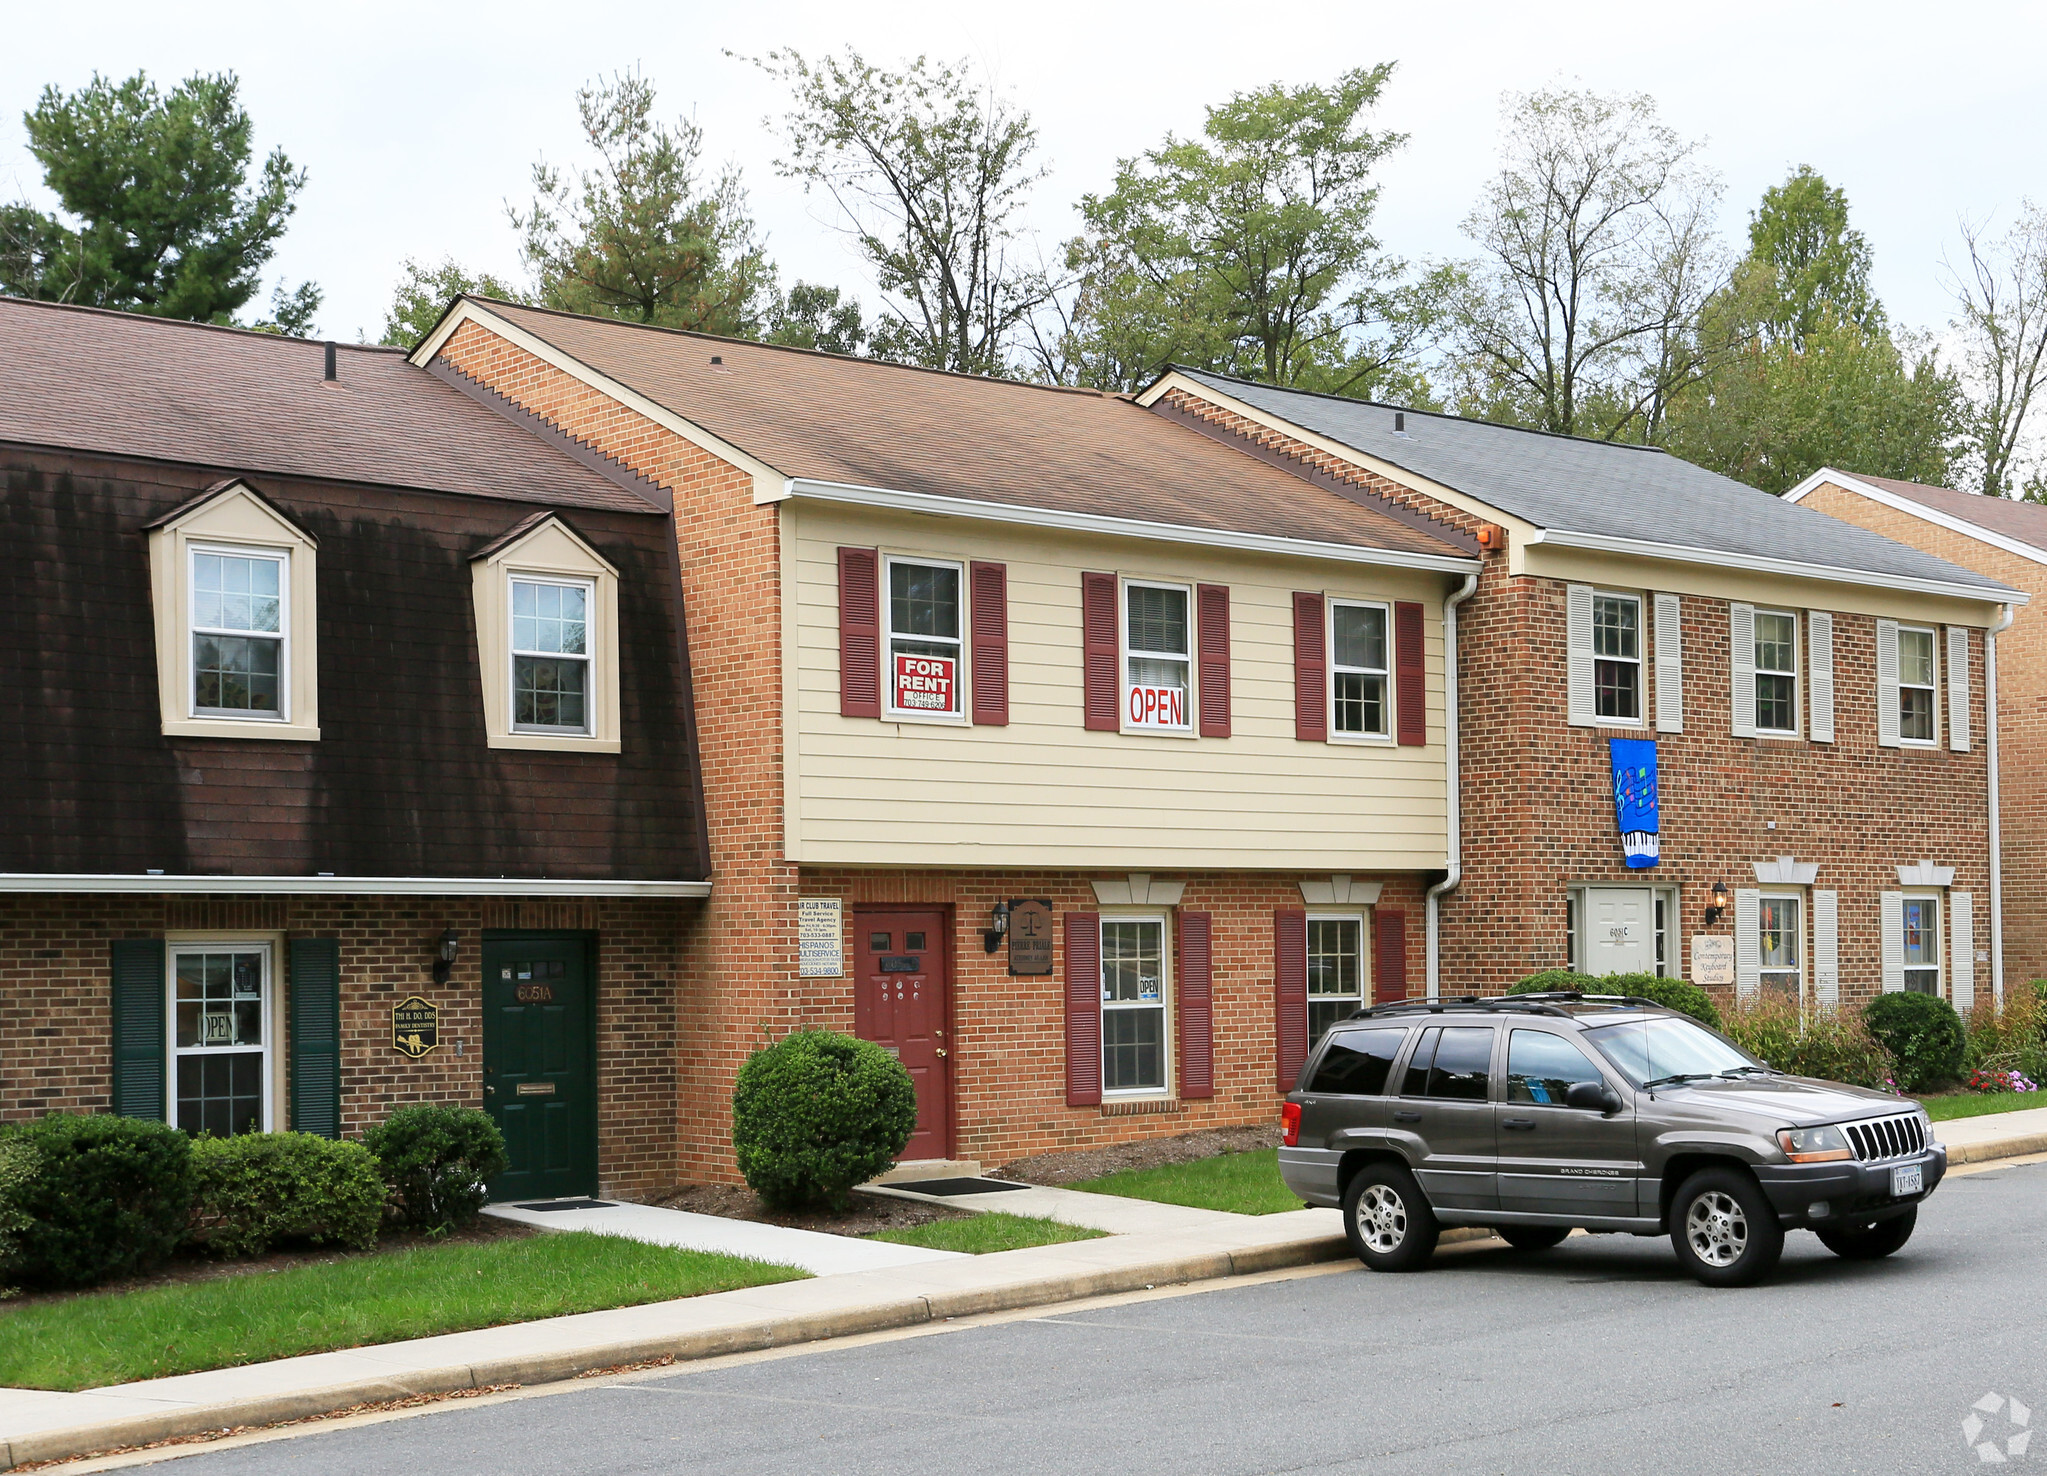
point(1464, 1063)
point(1358, 1062)
point(1541, 1067)
point(1417, 1081)
point(1664, 1048)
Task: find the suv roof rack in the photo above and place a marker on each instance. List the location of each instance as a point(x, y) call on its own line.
point(1547, 1002)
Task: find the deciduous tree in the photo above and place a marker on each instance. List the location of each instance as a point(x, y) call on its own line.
point(2002, 297)
point(424, 292)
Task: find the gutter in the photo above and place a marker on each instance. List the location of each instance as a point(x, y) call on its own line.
point(157, 884)
point(2006, 615)
point(1453, 863)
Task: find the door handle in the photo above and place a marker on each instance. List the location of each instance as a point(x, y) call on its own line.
point(1407, 1117)
point(490, 1091)
point(1518, 1124)
point(938, 1050)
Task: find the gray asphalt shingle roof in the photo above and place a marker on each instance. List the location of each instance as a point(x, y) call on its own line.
point(1607, 490)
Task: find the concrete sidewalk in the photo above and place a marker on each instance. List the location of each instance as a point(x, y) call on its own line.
point(810, 1250)
point(1994, 1135)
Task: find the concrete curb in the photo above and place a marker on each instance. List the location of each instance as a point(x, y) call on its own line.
point(1993, 1148)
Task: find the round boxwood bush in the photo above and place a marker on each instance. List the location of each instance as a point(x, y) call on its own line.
point(107, 1197)
point(1672, 994)
point(437, 1162)
point(17, 1172)
point(818, 1112)
point(1923, 1034)
point(259, 1190)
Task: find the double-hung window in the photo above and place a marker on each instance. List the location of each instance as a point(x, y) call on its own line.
point(1915, 685)
point(1133, 1004)
point(1920, 916)
point(238, 633)
point(1776, 671)
point(1617, 658)
point(1357, 669)
point(1157, 695)
point(220, 1037)
point(923, 638)
point(1779, 938)
point(1336, 971)
point(551, 687)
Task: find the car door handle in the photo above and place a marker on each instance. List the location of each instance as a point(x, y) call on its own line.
point(1407, 1117)
point(1518, 1124)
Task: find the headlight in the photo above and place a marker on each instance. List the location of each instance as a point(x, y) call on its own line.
point(1813, 1145)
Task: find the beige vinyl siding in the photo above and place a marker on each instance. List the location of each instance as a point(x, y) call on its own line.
point(1043, 791)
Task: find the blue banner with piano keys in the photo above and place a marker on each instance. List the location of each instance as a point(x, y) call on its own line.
point(1634, 799)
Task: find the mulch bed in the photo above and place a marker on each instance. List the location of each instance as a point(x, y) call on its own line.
point(1092, 1163)
point(867, 1213)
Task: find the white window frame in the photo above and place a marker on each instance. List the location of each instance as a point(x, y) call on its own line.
point(272, 1021)
point(1164, 923)
point(1364, 994)
point(1124, 656)
point(1385, 673)
point(958, 714)
point(1932, 635)
point(549, 552)
point(1641, 717)
point(1797, 675)
point(514, 577)
point(1936, 905)
point(1764, 971)
point(193, 630)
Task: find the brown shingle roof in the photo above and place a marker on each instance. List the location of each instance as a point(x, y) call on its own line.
point(2025, 521)
point(855, 421)
point(119, 383)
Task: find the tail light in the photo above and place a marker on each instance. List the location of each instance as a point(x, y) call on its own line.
point(1290, 1119)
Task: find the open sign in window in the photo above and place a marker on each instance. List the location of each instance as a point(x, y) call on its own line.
point(1156, 658)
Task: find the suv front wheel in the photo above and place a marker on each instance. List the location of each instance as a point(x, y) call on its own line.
point(1389, 1224)
point(1723, 1228)
point(1871, 1242)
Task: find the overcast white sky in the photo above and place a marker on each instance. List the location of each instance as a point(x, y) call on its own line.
point(419, 120)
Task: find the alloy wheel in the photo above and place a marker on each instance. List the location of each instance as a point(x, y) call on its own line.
point(1716, 1228)
point(1382, 1218)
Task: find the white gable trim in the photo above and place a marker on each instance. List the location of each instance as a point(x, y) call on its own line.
point(1920, 510)
point(1787, 872)
point(1339, 891)
point(1137, 890)
point(1926, 874)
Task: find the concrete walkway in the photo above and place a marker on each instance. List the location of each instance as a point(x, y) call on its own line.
point(811, 1250)
point(1106, 1212)
point(1994, 1135)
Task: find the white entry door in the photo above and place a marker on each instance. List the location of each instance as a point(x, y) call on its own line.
point(1620, 930)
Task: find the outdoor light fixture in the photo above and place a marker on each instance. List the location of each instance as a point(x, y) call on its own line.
point(998, 924)
point(1719, 908)
point(444, 959)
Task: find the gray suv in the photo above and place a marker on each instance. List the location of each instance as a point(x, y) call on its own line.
point(1538, 1114)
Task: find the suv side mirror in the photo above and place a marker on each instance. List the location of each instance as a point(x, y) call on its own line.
point(1592, 1096)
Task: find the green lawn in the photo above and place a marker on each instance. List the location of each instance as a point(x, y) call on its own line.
point(992, 1231)
point(1242, 1183)
point(1980, 1104)
point(116, 1337)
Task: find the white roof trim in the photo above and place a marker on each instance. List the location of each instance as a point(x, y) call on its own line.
point(1072, 522)
point(1793, 568)
point(1786, 871)
point(344, 886)
point(1920, 510)
point(1926, 874)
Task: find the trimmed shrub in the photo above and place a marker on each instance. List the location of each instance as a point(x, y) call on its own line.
point(818, 1112)
point(258, 1190)
point(109, 1197)
point(1825, 1043)
point(17, 1170)
point(437, 1161)
point(1672, 994)
point(1923, 1034)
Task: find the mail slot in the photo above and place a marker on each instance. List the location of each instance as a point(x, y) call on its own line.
point(535, 1089)
point(902, 964)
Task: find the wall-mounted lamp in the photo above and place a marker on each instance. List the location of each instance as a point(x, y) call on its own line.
point(998, 924)
point(1719, 908)
point(444, 957)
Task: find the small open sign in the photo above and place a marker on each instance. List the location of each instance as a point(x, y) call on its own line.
point(1156, 707)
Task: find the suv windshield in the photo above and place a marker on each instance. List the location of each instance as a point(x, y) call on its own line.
point(1662, 1050)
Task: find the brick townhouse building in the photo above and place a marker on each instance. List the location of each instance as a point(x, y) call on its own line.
point(2006, 541)
point(350, 758)
point(1706, 732)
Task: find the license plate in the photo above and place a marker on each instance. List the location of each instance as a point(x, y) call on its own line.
point(1909, 1179)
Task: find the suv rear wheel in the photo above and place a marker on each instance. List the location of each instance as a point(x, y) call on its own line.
point(1723, 1228)
point(1389, 1224)
point(1871, 1242)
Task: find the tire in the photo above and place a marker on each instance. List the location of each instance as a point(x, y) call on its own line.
point(1723, 1228)
point(1387, 1221)
point(1532, 1237)
point(1871, 1242)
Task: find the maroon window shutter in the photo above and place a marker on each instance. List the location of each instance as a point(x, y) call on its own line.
point(991, 643)
point(1389, 947)
point(1083, 1009)
point(1212, 612)
point(1098, 634)
point(1197, 1007)
point(1410, 679)
point(859, 632)
point(1290, 988)
point(1311, 673)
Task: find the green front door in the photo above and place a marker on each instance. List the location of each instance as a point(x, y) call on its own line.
point(539, 1062)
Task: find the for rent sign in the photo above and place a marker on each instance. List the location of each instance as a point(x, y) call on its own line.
point(1156, 707)
point(925, 683)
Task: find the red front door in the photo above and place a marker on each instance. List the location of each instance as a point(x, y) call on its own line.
point(902, 1001)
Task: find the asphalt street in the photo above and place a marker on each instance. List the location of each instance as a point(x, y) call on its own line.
point(1598, 1356)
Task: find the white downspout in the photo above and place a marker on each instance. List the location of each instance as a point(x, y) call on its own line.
point(2004, 620)
point(1453, 864)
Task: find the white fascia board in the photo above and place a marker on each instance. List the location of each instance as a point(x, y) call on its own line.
point(2031, 552)
point(344, 886)
point(768, 483)
point(1790, 568)
point(1072, 522)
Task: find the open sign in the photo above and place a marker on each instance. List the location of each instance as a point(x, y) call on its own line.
point(1157, 707)
point(925, 683)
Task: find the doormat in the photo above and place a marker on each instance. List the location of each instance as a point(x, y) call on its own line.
point(946, 1188)
point(567, 1204)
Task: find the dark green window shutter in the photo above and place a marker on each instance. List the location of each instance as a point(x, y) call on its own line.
point(139, 1086)
point(316, 1036)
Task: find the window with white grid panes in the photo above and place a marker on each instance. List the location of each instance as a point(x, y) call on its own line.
point(220, 1038)
point(238, 633)
point(1916, 686)
point(1336, 971)
point(1133, 1004)
point(1357, 670)
point(1617, 658)
point(551, 686)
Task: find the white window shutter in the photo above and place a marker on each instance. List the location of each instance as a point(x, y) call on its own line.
point(1961, 946)
point(1819, 631)
point(1958, 688)
point(1578, 612)
point(1741, 629)
point(1826, 947)
point(1670, 665)
point(1887, 685)
point(1748, 945)
point(1891, 920)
